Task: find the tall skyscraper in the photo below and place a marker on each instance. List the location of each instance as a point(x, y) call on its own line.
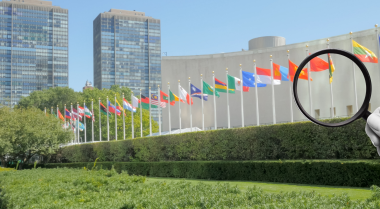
point(33, 48)
point(127, 51)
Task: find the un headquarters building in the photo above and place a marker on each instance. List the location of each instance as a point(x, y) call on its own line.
point(127, 52)
point(33, 48)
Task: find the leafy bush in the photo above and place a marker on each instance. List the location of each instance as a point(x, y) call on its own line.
point(81, 188)
point(302, 140)
point(360, 173)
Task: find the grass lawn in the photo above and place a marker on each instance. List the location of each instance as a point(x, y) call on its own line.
point(355, 193)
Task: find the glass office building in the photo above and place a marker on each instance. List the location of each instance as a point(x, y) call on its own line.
point(127, 52)
point(33, 48)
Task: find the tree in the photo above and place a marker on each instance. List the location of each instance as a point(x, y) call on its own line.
point(26, 132)
point(51, 98)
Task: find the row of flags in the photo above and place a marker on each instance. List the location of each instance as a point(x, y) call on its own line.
point(261, 78)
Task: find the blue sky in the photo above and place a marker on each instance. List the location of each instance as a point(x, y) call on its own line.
point(214, 26)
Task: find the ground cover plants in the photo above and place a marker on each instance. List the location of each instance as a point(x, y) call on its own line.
point(84, 188)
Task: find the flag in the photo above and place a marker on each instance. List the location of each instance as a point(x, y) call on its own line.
point(317, 64)
point(81, 126)
point(119, 107)
point(112, 109)
point(165, 98)
point(185, 96)
point(103, 109)
point(331, 68)
point(144, 99)
point(207, 89)
point(67, 114)
point(292, 72)
point(60, 116)
point(249, 80)
point(76, 115)
point(93, 116)
point(235, 84)
point(283, 70)
point(174, 98)
point(264, 76)
point(81, 110)
point(154, 99)
point(195, 92)
point(364, 54)
point(222, 87)
point(144, 102)
point(135, 102)
point(87, 112)
point(128, 106)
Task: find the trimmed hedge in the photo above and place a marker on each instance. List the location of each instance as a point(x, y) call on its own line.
point(321, 172)
point(301, 140)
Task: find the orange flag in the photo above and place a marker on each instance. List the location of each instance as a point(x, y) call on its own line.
point(292, 71)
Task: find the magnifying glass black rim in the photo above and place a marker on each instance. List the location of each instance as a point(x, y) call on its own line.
point(363, 109)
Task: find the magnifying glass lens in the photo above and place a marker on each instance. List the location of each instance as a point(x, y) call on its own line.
point(336, 91)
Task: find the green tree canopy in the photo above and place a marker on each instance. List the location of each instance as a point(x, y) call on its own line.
point(25, 132)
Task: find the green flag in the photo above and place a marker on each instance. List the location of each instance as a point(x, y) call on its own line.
point(144, 105)
point(231, 84)
point(207, 89)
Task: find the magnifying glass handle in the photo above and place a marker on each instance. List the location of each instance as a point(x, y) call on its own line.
point(366, 114)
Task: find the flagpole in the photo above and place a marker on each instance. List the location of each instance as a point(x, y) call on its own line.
point(273, 100)
point(170, 125)
point(133, 130)
point(159, 110)
point(78, 122)
point(257, 98)
point(179, 107)
point(115, 119)
point(378, 44)
point(108, 125)
point(241, 96)
point(92, 120)
point(290, 93)
point(191, 117)
point(64, 117)
point(331, 90)
point(354, 76)
point(84, 118)
point(100, 124)
point(228, 104)
point(124, 117)
point(308, 80)
point(203, 119)
point(51, 110)
point(213, 78)
point(71, 121)
point(45, 111)
point(141, 128)
point(150, 111)
point(57, 112)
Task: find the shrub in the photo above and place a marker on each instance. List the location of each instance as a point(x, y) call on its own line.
point(301, 140)
point(359, 173)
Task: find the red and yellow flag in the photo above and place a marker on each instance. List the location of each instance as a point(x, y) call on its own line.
point(292, 72)
point(317, 64)
point(364, 54)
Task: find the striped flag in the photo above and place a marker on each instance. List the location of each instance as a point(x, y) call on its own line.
point(128, 106)
point(364, 54)
point(154, 100)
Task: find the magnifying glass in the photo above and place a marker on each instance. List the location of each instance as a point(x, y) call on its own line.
point(347, 56)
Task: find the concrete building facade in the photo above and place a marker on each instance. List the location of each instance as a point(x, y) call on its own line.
point(127, 51)
point(33, 48)
point(176, 68)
